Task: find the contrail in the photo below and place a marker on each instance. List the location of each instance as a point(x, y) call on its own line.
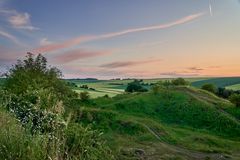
point(210, 8)
point(82, 39)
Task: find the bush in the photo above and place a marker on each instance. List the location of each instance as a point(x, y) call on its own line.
point(210, 88)
point(35, 93)
point(235, 99)
point(85, 143)
point(135, 86)
point(156, 88)
point(180, 82)
point(17, 143)
point(33, 74)
point(84, 96)
point(73, 143)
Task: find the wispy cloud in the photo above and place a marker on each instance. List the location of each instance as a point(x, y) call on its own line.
point(19, 20)
point(78, 54)
point(121, 64)
point(210, 8)
point(82, 39)
point(179, 74)
point(45, 41)
point(66, 44)
point(195, 69)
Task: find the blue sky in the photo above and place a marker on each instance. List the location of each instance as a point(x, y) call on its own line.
point(110, 38)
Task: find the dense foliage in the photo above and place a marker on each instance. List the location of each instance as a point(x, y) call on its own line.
point(235, 99)
point(32, 74)
point(210, 88)
point(180, 82)
point(135, 86)
point(37, 96)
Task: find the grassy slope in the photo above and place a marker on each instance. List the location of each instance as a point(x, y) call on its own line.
point(168, 125)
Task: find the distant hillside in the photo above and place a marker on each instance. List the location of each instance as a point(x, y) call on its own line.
point(219, 82)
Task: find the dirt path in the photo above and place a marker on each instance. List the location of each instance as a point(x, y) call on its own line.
point(185, 152)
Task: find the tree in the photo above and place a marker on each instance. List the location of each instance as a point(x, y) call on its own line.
point(32, 74)
point(180, 82)
point(135, 86)
point(235, 99)
point(224, 93)
point(36, 92)
point(210, 88)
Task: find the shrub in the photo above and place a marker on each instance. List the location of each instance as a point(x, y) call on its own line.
point(85, 143)
point(35, 94)
point(16, 143)
point(84, 96)
point(235, 99)
point(73, 143)
point(156, 88)
point(210, 88)
point(135, 86)
point(33, 74)
point(180, 82)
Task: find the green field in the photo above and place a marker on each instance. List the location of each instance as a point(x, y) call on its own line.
point(114, 87)
point(234, 87)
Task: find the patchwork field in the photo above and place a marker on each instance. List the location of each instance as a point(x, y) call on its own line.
point(115, 87)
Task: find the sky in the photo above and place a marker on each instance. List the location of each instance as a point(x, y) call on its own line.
point(124, 39)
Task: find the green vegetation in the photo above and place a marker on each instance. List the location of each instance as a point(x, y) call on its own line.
point(180, 82)
point(234, 87)
point(84, 96)
point(33, 126)
point(210, 88)
point(41, 117)
point(181, 117)
point(235, 99)
point(135, 86)
point(114, 87)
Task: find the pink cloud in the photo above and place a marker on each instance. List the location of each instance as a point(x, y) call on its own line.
point(82, 39)
point(128, 63)
point(195, 69)
point(77, 54)
point(66, 44)
point(19, 20)
point(179, 74)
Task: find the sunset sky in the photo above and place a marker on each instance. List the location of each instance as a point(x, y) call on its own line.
point(124, 38)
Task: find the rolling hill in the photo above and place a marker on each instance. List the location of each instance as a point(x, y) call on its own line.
point(176, 123)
